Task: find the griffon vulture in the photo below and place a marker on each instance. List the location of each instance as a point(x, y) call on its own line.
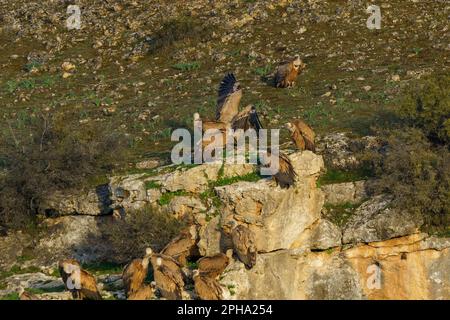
point(145, 292)
point(135, 272)
point(206, 288)
point(302, 135)
point(287, 73)
point(65, 268)
point(285, 175)
point(213, 266)
point(244, 244)
point(84, 284)
point(183, 246)
point(169, 281)
point(229, 97)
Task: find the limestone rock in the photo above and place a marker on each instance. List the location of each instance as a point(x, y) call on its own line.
point(196, 179)
point(338, 193)
point(306, 163)
point(181, 206)
point(374, 220)
point(325, 235)
point(128, 192)
point(94, 202)
point(277, 216)
point(210, 238)
point(79, 237)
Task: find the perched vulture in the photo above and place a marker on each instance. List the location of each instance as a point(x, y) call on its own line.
point(183, 246)
point(229, 97)
point(23, 295)
point(135, 272)
point(169, 281)
point(213, 266)
point(206, 288)
point(246, 119)
point(287, 73)
point(65, 268)
point(285, 175)
point(244, 244)
point(302, 135)
point(88, 285)
point(145, 292)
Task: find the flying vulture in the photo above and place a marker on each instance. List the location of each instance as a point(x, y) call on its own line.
point(285, 175)
point(244, 244)
point(206, 288)
point(287, 72)
point(183, 246)
point(213, 266)
point(169, 281)
point(302, 135)
point(229, 97)
point(135, 272)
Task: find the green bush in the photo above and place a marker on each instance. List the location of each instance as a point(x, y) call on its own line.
point(417, 173)
point(141, 229)
point(44, 155)
point(427, 106)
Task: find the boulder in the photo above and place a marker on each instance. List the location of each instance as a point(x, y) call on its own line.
point(338, 193)
point(93, 202)
point(197, 179)
point(79, 237)
point(129, 192)
point(277, 216)
point(210, 237)
point(375, 220)
point(181, 206)
point(325, 235)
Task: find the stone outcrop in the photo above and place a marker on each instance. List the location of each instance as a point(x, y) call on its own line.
point(374, 220)
point(351, 192)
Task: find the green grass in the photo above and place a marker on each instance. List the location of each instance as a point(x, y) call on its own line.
point(42, 290)
point(31, 65)
point(339, 214)
point(340, 176)
point(17, 270)
point(152, 185)
point(103, 268)
point(192, 265)
point(168, 196)
point(11, 296)
point(187, 66)
point(250, 177)
point(263, 71)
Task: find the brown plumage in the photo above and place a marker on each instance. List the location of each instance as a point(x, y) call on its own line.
point(183, 246)
point(145, 292)
point(302, 135)
point(287, 73)
point(213, 266)
point(229, 97)
point(285, 175)
point(89, 290)
point(135, 272)
point(169, 280)
point(244, 244)
point(65, 268)
point(212, 125)
point(206, 288)
point(246, 119)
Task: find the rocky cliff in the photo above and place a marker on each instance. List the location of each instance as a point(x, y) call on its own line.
point(378, 253)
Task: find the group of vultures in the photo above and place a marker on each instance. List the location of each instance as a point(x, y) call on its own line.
point(169, 267)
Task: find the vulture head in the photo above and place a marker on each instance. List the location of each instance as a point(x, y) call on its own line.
point(158, 261)
point(298, 63)
point(148, 251)
point(290, 127)
point(195, 273)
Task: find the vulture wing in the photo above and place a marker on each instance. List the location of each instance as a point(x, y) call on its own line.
point(180, 247)
point(247, 118)
point(244, 245)
point(229, 97)
point(283, 71)
point(286, 174)
point(213, 266)
point(307, 133)
point(207, 288)
point(133, 276)
point(89, 290)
